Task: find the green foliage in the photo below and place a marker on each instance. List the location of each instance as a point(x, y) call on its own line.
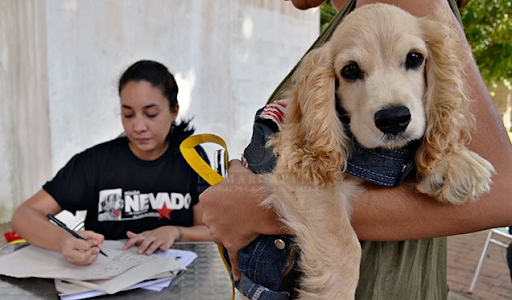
point(488, 27)
point(327, 12)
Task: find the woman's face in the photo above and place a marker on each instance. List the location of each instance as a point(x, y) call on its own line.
point(147, 119)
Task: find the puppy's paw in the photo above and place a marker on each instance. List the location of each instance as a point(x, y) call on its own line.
point(458, 178)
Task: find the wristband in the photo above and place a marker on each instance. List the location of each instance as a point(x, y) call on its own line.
point(180, 234)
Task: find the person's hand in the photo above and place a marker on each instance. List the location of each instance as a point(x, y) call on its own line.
point(80, 252)
point(149, 241)
point(306, 4)
point(233, 214)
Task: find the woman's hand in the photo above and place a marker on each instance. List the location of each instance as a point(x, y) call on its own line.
point(80, 252)
point(149, 241)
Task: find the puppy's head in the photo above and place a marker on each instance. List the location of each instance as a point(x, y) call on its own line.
point(379, 60)
point(392, 74)
point(400, 79)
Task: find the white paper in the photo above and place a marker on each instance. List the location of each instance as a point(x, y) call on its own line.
point(32, 261)
point(73, 291)
point(68, 290)
point(183, 256)
point(132, 276)
point(81, 292)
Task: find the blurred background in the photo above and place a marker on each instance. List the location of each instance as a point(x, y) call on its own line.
point(60, 61)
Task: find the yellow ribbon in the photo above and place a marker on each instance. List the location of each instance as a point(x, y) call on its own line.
point(197, 163)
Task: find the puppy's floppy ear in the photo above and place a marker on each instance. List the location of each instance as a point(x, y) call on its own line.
point(312, 145)
point(446, 104)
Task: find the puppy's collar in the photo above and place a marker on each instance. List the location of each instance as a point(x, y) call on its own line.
point(379, 166)
point(386, 167)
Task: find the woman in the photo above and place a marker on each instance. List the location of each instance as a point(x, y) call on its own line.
point(137, 186)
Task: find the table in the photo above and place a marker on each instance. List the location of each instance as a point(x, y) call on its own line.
point(206, 278)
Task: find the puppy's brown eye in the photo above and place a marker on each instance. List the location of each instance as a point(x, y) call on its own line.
point(351, 72)
point(414, 60)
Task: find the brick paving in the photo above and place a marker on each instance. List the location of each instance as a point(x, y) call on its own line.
point(464, 251)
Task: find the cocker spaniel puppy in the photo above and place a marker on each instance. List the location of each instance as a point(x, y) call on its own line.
point(392, 78)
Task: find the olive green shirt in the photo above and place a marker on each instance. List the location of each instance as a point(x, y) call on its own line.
point(408, 270)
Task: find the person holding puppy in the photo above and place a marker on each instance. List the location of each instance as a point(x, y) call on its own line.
point(137, 186)
point(404, 252)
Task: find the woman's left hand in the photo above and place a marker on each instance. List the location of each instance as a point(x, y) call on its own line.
point(149, 241)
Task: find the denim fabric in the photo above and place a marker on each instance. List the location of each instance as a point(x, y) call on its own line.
point(260, 158)
point(386, 167)
point(263, 267)
point(255, 291)
point(261, 263)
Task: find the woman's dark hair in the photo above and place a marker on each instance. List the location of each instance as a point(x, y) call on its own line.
point(159, 77)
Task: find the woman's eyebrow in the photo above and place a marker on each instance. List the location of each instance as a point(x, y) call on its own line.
point(145, 107)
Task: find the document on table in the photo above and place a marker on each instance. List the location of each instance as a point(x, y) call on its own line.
point(73, 291)
point(32, 261)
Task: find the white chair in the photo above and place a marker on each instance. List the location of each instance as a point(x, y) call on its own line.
point(501, 231)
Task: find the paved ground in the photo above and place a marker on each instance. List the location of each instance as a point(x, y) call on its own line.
point(494, 282)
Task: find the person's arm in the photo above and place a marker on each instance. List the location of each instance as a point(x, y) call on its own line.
point(232, 208)
point(399, 214)
point(30, 222)
point(233, 213)
point(162, 238)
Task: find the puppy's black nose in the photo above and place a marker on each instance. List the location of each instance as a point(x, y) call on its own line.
point(393, 120)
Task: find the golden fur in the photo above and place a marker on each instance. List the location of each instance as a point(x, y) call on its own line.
point(309, 189)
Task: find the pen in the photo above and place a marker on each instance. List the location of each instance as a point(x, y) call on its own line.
point(62, 225)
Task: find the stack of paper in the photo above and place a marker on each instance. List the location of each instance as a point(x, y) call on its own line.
point(121, 270)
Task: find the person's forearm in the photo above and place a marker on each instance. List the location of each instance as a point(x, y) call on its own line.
point(417, 8)
point(391, 214)
point(197, 233)
point(36, 229)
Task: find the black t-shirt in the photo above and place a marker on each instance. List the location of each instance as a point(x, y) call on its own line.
point(122, 192)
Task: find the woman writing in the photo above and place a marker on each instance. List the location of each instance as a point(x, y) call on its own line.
point(137, 186)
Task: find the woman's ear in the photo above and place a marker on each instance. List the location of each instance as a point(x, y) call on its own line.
point(175, 109)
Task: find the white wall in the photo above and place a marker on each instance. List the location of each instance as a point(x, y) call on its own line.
point(227, 57)
point(24, 123)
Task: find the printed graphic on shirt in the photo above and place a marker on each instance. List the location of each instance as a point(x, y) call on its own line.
point(112, 206)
